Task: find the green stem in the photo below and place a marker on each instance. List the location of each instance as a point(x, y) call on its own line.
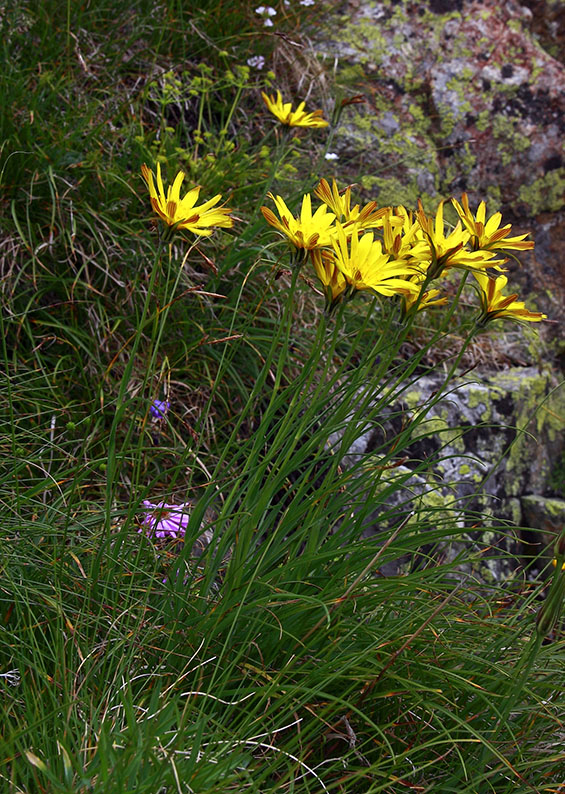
point(121, 402)
point(159, 325)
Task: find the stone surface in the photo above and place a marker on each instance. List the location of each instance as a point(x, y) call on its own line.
point(476, 452)
point(460, 96)
point(548, 25)
point(546, 516)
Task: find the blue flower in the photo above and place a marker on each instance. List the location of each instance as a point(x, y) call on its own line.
point(159, 408)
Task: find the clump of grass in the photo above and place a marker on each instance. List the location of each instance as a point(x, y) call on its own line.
point(283, 657)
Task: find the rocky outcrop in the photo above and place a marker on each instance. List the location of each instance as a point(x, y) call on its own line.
point(461, 95)
point(484, 454)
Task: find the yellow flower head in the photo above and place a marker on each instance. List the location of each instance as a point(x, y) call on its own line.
point(429, 298)
point(446, 251)
point(297, 118)
point(487, 234)
point(305, 232)
point(365, 266)
point(185, 213)
point(403, 237)
point(495, 304)
point(340, 204)
point(332, 279)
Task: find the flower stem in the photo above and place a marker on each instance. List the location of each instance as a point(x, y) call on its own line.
point(121, 402)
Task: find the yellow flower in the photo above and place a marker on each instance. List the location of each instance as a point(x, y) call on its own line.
point(185, 213)
point(297, 118)
point(449, 251)
point(340, 204)
point(305, 232)
point(365, 266)
point(495, 304)
point(554, 563)
point(429, 298)
point(332, 279)
point(487, 234)
point(403, 237)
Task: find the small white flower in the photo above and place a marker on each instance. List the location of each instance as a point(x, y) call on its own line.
point(331, 156)
point(268, 11)
point(257, 61)
point(268, 23)
point(306, 2)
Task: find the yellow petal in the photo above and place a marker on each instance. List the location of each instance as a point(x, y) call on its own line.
point(174, 190)
point(160, 187)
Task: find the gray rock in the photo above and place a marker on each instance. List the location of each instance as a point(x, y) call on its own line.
point(546, 518)
point(475, 454)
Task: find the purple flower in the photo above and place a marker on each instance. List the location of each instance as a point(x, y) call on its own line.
point(165, 521)
point(159, 408)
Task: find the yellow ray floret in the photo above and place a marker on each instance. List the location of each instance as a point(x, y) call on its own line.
point(185, 213)
point(495, 304)
point(403, 237)
point(364, 265)
point(305, 232)
point(340, 204)
point(487, 234)
point(447, 251)
point(294, 118)
point(428, 299)
point(332, 279)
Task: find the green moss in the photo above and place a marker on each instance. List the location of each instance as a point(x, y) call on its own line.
point(546, 193)
point(515, 24)
point(511, 142)
point(389, 191)
point(554, 507)
point(537, 415)
point(418, 114)
point(365, 37)
point(537, 69)
point(433, 499)
point(412, 399)
point(494, 195)
point(395, 191)
point(483, 397)
point(462, 51)
point(436, 426)
point(352, 74)
point(483, 120)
